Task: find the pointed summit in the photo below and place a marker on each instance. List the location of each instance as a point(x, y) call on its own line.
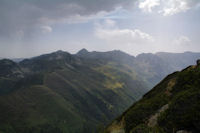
point(82, 52)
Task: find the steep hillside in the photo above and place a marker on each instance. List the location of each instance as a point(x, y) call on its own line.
point(173, 106)
point(64, 93)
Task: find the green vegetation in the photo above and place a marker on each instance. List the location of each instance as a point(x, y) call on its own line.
point(173, 105)
point(61, 93)
point(184, 110)
point(81, 93)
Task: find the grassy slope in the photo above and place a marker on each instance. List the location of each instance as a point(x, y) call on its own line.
point(69, 99)
point(179, 92)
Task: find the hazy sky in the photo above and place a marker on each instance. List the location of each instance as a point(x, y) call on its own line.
point(33, 27)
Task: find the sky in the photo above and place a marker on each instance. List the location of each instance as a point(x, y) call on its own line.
point(32, 27)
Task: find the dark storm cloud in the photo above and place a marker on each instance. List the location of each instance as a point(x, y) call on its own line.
point(22, 17)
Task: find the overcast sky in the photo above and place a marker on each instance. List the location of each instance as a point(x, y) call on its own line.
point(32, 27)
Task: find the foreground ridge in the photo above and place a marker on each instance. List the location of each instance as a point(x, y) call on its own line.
point(173, 106)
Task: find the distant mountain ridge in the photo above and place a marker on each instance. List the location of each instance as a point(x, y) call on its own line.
point(151, 67)
point(62, 92)
point(179, 59)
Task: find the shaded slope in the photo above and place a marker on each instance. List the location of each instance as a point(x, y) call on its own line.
point(10, 74)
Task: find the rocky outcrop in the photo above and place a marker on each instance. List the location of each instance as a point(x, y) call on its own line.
point(183, 131)
point(153, 119)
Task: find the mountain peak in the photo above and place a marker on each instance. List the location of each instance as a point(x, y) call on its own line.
point(82, 52)
point(7, 62)
point(54, 55)
point(9, 68)
point(60, 52)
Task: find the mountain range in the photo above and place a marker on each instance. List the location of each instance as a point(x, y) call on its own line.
point(77, 93)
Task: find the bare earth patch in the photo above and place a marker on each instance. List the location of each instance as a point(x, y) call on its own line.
point(153, 119)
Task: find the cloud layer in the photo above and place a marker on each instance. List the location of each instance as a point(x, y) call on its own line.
point(168, 7)
point(125, 39)
point(26, 16)
point(182, 40)
point(32, 27)
point(148, 5)
point(124, 36)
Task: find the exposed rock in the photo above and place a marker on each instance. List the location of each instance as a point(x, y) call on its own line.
point(116, 127)
point(118, 131)
point(82, 52)
point(170, 86)
point(183, 131)
point(153, 119)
